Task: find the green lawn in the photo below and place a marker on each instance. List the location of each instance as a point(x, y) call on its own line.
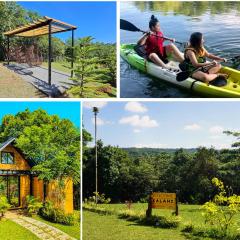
point(12, 231)
point(73, 231)
point(12, 86)
point(60, 66)
point(188, 213)
point(98, 226)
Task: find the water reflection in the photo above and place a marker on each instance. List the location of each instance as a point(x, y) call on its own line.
point(193, 9)
point(218, 21)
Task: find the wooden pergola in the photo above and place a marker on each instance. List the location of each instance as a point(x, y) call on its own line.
point(43, 26)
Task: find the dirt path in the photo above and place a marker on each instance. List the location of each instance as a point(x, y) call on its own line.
point(12, 86)
point(42, 230)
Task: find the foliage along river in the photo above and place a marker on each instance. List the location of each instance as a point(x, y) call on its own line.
point(218, 21)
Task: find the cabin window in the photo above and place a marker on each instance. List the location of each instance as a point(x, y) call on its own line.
point(7, 158)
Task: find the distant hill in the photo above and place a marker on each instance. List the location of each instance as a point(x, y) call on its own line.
point(141, 151)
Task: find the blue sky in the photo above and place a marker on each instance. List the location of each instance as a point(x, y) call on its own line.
point(96, 19)
point(164, 124)
point(68, 110)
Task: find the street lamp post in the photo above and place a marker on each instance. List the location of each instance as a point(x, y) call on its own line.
point(95, 111)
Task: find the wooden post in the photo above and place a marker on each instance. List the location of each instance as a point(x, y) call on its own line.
point(149, 209)
point(176, 204)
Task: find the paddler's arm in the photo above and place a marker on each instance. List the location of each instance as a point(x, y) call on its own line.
point(194, 61)
point(214, 57)
point(143, 39)
point(169, 39)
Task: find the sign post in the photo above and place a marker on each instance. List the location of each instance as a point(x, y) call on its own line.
point(160, 200)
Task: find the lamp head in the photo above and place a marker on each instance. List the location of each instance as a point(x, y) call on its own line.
point(95, 110)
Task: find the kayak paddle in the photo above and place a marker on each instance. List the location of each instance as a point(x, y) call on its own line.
point(127, 26)
point(181, 76)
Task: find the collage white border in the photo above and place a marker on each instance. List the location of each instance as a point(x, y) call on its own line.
point(118, 99)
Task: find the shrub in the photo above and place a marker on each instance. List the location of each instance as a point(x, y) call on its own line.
point(162, 221)
point(33, 205)
point(53, 214)
point(14, 201)
point(188, 228)
point(222, 209)
point(4, 206)
point(211, 233)
point(100, 199)
point(131, 215)
point(144, 199)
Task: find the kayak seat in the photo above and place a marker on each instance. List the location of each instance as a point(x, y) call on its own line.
point(219, 81)
point(140, 50)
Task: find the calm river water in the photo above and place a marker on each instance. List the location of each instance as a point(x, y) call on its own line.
point(219, 21)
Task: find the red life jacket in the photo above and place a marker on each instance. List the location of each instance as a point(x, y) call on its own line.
point(154, 44)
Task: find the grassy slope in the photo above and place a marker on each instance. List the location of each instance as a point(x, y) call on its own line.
point(96, 226)
point(188, 213)
point(73, 231)
point(12, 86)
point(12, 231)
point(60, 66)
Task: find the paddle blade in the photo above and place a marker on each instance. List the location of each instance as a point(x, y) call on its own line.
point(182, 76)
point(125, 25)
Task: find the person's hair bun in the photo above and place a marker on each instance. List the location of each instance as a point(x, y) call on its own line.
point(153, 21)
point(153, 17)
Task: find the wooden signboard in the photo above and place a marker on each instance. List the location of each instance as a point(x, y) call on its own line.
point(162, 201)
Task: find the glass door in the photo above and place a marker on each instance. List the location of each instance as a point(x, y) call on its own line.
point(9, 187)
point(13, 191)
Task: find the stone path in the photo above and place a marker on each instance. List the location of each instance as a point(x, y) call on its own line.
point(38, 77)
point(42, 230)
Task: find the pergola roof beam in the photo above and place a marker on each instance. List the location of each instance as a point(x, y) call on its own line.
point(60, 22)
point(37, 28)
point(26, 28)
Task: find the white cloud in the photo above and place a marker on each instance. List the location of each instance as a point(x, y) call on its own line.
point(151, 145)
point(216, 130)
point(136, 130)
point(192, 127)
point(216, 136)
point(100, 121)
point(135, 107)
point(139, 121)
point(99, 104)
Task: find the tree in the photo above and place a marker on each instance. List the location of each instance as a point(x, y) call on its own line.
point(12, 15)
point(91, 76)
point(58, 48)
point(107, 54)
point(51, 143)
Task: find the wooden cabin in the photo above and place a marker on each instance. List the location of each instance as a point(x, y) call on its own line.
point(17, 180)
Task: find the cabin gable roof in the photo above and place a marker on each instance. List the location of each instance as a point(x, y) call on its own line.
point(6, 143)
point(9, 142)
